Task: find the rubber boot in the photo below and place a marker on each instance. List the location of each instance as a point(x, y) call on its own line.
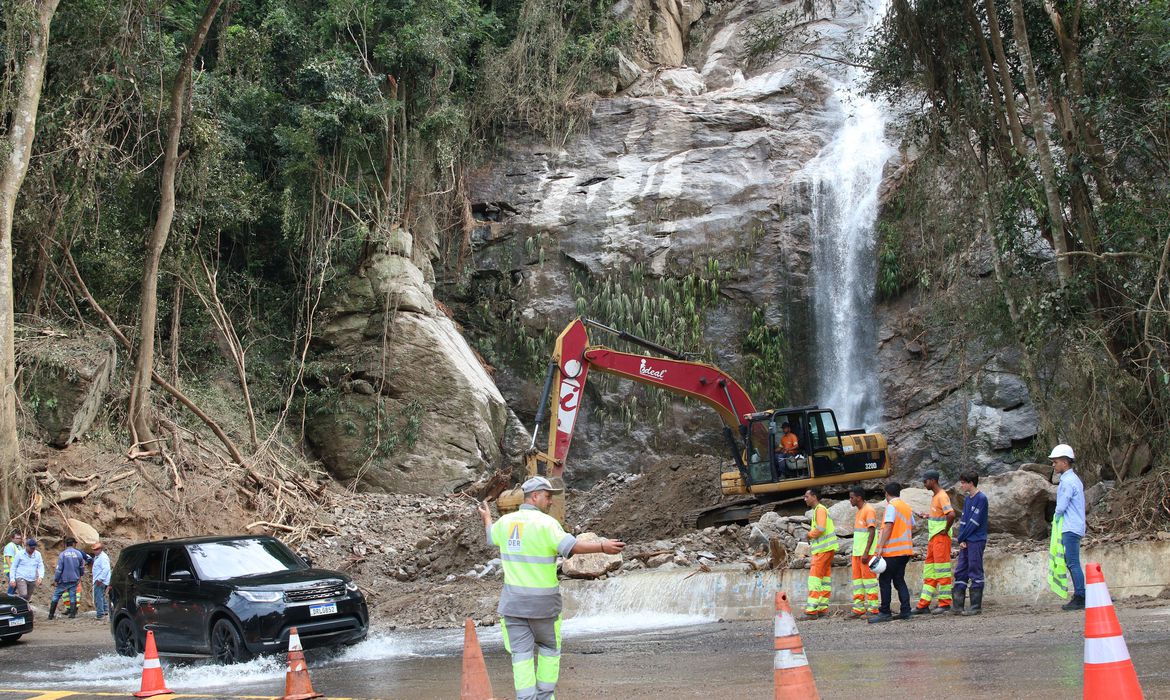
point(960, 595)
point(52, 610)
point(72, 610)
point(1077, 603)
point(976, 602)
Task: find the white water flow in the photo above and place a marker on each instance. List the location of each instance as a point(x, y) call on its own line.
point(844, 180)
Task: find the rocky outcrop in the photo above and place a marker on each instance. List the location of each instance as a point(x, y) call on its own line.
point(694, 172)
point(64, 379)
point(399, 401)
point(664, 23)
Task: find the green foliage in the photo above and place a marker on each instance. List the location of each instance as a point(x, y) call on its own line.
point(765, 350)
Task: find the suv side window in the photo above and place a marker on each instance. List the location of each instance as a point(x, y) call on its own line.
point(151, 568)
point(178, 560)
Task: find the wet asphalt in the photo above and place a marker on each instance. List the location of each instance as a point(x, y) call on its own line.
point(1017, 653)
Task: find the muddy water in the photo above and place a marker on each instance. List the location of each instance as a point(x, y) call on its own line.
point(1016, 653)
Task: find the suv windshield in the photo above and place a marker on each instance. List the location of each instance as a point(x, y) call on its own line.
point(217, 561)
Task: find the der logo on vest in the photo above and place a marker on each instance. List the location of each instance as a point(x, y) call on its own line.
point(514, 536)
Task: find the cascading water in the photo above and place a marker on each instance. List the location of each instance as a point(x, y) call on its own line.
point(844, 180)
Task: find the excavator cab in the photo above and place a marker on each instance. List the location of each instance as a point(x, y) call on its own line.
point(824, 454)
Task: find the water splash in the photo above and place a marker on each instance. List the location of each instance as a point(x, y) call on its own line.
point(844, 181)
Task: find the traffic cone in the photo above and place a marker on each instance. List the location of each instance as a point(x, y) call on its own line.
point(1109, 673)
point(152, 675)
point(476, 683)
point(297, 685)
point(793, 677)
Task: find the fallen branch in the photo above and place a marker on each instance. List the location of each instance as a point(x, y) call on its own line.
point(274, 526)
point(66, 496)
point(78, 479)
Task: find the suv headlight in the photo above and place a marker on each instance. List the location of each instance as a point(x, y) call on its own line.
point(352, 587)
point(262, 596)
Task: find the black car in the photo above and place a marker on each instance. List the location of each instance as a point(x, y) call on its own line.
point(229, 597)
point(16, 618)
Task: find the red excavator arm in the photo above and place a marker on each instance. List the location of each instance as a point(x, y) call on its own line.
point(573, 358)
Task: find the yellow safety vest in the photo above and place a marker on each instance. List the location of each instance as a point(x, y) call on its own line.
point(827, 542)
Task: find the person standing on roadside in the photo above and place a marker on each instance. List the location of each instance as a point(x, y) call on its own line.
point(865, 584)
point(101, 579)
point(28, 570)
point(972, 540)
point(1069, 521)
point(70, 567)
point(10, 551)
point(530, 606)
point(936, 568)
point(822, 539)
point(895, 549)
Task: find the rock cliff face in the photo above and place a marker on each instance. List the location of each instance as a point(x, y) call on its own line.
point(693, 172)
point(682, 211)
point(401, 403)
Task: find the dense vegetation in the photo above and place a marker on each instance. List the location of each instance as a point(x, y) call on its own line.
point(286, 137)
point(1045, 120)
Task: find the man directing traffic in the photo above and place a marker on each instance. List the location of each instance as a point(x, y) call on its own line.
point(530, 606)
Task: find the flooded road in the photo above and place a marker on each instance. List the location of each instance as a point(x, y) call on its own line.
point(1017, 653)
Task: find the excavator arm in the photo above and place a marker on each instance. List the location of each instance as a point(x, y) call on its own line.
point(574, 358)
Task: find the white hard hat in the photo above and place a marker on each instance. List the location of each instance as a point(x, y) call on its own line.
point(877, 565)
point(1062, 450)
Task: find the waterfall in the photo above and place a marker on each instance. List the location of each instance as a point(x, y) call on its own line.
point(843, 181)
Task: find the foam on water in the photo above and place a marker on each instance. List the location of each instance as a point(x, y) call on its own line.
point(113, 671)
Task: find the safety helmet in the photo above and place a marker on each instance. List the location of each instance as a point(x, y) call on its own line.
point(1062, 450)
point(877, 564)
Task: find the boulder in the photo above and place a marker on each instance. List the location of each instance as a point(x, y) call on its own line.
point(1044, 470)
point(398, 401)
point(63, 381)
point(590, 566)
point(1018, 503)
point(843, 514)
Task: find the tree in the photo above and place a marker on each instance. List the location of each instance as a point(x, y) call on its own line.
point(140, 419)
point(30, 20)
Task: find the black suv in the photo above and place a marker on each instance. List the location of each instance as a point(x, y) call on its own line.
point(16, 617)
point(230, 597)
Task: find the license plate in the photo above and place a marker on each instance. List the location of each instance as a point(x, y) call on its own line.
point(16, 622)
point(323, 609)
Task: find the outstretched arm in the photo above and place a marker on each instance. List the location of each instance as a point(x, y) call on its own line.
point(603, 546)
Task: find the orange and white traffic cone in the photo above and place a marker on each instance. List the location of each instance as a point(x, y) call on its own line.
point(152, 675)
point(476, 683)
point(297, 685)
point(1109, 672)
point(793, 677)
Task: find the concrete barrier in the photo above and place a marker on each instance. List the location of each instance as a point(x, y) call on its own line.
point(731, 593)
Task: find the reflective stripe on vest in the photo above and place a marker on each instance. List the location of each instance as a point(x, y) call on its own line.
point(528, 542)
point(901, 542)
point(827, 542)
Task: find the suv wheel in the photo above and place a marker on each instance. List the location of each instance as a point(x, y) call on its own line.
point(227, 646)
point(125, 637)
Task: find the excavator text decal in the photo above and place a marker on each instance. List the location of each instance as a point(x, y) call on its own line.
point(647, 371)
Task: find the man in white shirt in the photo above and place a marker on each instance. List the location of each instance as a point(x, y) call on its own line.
point(28, 570)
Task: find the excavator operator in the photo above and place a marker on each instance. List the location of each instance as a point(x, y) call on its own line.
point(787, 450)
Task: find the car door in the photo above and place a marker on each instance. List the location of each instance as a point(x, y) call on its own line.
point(183, 604)
point(145, 592)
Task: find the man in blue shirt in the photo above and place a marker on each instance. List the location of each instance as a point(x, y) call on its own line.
point(28, 570)
point(972, 540)
point(70, 566)
point(1070, 512)
point(101, 579)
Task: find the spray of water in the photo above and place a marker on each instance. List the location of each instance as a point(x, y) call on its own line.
point(844, 180)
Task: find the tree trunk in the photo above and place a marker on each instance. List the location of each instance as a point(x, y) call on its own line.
point(1002, 135)
point(140, 408)
point(1043, 152)
point(1005, 76)
point(17, 147)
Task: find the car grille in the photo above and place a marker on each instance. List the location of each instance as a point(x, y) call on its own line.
point(318, 592)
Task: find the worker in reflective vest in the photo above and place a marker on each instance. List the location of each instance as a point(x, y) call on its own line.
point(896, 546)
point(823, 545)
point(937, 577)
point(530, 606)
point(865, 583)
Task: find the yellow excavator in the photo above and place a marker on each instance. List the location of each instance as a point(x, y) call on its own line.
point(765, 471)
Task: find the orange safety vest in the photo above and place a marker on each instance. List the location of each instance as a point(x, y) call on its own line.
point(901, 542)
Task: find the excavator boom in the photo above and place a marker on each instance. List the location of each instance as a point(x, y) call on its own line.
point(832, 456)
